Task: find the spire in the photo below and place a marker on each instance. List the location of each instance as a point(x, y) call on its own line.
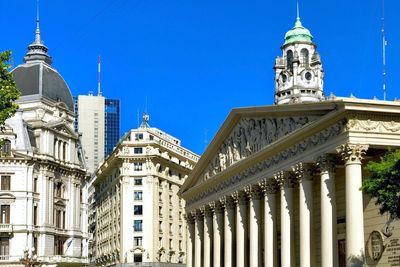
point(298, 22)
point(37, 51)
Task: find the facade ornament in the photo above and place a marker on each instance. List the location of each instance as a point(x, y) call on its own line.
point(352, 153)
point(269, 186)
point(216, 207)
point(326, 163)
point(189, 218)
point(206, 211)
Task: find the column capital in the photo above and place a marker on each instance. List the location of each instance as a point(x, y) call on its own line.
point(326, 163)
point(269, 186)
point(352, 153)
point(197, 215)
point(227, 202)
point(189, 218)
point(253, 191)
point(206, 210)
point(240, 197)
point(304, 171)
point(216, 207)
point(285, 179)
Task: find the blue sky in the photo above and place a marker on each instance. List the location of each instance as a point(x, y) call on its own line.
point(196, 60)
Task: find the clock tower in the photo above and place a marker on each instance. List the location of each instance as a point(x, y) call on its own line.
point(299, 75)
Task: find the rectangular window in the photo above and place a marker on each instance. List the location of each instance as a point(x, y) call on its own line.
point(137, 258)
point(138, 210)
point(138, 150)
point(137, 226)
point(5, 182)
point(170, 244)
point(35, 209)
point(138, 136)
point(138, 195)
point(58, 245)
point(4, 246)
point(138, 166)
point(5, 214)
point(138, 241)
point(138, 181)
point(35, 184)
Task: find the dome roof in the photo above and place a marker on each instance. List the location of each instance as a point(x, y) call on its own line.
point(36, 79)
point(298, 34)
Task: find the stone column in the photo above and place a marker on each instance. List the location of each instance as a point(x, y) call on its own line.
point(240, 199)
point(254, 221)
point(198, 233)
point(217, 232)
point(228, 205)
point(207, 235)
point(287, 183)
point(352, 155)
point(189, 240)
point(269, 188)
point(329, 246)
point(304, 174)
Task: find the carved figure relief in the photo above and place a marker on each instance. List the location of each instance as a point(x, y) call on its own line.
point(250, 136)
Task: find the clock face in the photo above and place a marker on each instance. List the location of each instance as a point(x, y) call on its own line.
point(308, 76)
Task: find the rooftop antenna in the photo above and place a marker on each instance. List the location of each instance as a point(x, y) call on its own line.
point(98, 77)
point(384, 44)
point(298, 10)
point(37, 39)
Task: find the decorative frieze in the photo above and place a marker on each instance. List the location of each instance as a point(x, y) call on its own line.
point(374, 124)
point(249, 136)
point(299, 148)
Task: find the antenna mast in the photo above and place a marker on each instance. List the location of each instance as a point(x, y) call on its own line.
point(98, 77)
point(384, 44)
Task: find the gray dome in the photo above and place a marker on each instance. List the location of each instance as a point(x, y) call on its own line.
point(38, 80)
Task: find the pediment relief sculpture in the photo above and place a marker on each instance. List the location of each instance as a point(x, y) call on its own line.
point(249, 136)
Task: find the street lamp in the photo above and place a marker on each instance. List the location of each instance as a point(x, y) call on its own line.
point(29, 259)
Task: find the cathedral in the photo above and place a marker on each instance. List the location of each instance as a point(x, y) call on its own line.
point(43, 219)
point(280, 185)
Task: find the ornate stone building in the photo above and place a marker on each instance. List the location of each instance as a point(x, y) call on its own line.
point(139, 216)
point(42, 212)
point(280, 185)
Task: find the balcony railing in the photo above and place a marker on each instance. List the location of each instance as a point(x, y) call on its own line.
point(6, 228)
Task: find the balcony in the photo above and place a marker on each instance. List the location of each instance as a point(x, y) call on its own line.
point(6, 228)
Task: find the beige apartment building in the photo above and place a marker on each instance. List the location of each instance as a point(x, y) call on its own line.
point(280, 185)
point(139, 216)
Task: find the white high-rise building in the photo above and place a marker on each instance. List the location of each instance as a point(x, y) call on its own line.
point(43, 217)
point(139, 216)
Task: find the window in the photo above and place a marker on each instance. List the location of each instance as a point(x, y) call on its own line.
point(35, 209)
point(138, 150)
point(137, 226)
point(170, 227)
point(304, 57)
point(5, 182)
point(137, 166)
point(58, 245)
point(4, 246)
point(160, 211)
point(5, 214)
point(6, 148)
point(170, 244)
point(138, 181)
point(138, 210)
point(138, 195)
point(180, 244)
point(58, 190)
point(58, 218)
point(138, 136)
point(35, 184)
point(137, 258)
point(160, 225)
point(289, 59)
point(35, 243)
point(138, 241)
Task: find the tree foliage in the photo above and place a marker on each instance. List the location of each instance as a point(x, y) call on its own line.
point(8, 90)
point(384, 183)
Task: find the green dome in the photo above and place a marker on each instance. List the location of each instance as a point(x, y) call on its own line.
point(298, 34)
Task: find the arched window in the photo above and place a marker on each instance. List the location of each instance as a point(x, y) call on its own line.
point(6, 147)
point(289, 59)
point(304, 57)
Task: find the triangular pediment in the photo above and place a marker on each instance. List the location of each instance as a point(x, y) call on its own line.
point(249, 131)
point(63, 128)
